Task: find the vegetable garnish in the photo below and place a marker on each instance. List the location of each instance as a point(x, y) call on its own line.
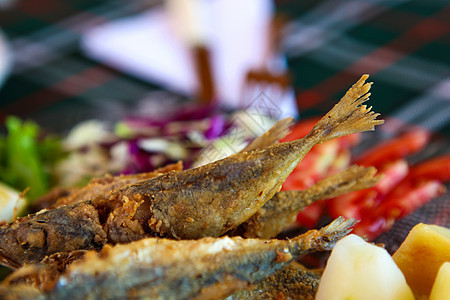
point(26, 157)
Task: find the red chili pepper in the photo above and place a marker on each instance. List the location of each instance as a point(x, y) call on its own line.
point(310, 216)
point(356, 204)
point(395, 207)
point(313, 167)
point(436, 168)
point(396, 148)
point(422, 184)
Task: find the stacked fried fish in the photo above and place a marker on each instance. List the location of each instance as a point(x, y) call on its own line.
point(205, 233)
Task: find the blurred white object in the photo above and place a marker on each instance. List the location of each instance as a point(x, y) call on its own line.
point(190, 20)
point(88, 133)
point(5, 59)
point(147, 46)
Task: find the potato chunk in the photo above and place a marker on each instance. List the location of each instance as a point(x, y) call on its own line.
point(360, 270)
point(441, 287)
point(421, 255)
point(12, 203)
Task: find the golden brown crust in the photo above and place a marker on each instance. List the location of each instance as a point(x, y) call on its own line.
point(66, 229)
point(101, 187)
point(189, 204)
point(283, 208)
point(165, 268)
point(292, 282)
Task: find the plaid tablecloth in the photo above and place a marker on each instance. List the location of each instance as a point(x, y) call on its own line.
point(404, 45)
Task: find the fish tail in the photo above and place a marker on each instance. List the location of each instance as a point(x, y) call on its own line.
point(348, 115)
point(351, 179)
point(325, 238)
point(337, 229)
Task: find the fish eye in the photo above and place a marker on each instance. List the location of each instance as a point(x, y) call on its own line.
point(35, 238)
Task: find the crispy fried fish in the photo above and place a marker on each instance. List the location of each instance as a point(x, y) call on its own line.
point(97, 188)
point(20, 293)
point(206, 201)
point(158, 268)
point(65, 229)
point(291, 282)
point(282, 209)
point(217, 197)
point(101, 187)
point(51, 227)
point(43, 275)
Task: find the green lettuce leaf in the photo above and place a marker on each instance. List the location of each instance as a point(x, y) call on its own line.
point(26, 157)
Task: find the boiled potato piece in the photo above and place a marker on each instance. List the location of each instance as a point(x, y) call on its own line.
point(11, 203)
point(441, 287)
point(360, 270)
point(421, 255)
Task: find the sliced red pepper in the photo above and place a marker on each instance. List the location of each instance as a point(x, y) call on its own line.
point(310, 216)
point(355, 204)
point(398, 207)
point(313, 167)
point(422, 184)
point(395, 207)
point(396, 148)
point(435, 168)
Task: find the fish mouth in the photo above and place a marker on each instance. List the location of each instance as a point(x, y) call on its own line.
point(8, 262)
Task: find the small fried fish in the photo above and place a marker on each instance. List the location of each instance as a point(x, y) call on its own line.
point(190, 204)
point(282, 209)
point(291, 282)
point(158, 268)
point(215, 198)
point(97, 188)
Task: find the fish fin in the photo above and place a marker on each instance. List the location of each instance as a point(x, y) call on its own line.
point(278, 131)
point(349, 115)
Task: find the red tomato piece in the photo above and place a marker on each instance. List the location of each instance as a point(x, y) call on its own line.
point(355, 204)
point(435, 168)
point(394, 207)
point(408, 143)
point(310, 216)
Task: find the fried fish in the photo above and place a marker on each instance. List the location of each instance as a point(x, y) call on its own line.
point(159, 268)
point(292, 282)
point(97, 188)
point(206, 201)
point(284, 207)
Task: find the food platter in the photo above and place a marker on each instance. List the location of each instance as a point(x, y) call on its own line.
point(202, 208)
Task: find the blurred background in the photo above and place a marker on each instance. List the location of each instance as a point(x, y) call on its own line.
point(70, 60)
point(63, 62)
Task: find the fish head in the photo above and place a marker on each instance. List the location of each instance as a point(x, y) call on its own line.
point(22, 241)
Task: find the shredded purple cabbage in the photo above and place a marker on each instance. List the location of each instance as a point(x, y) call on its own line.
point(176, 127)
